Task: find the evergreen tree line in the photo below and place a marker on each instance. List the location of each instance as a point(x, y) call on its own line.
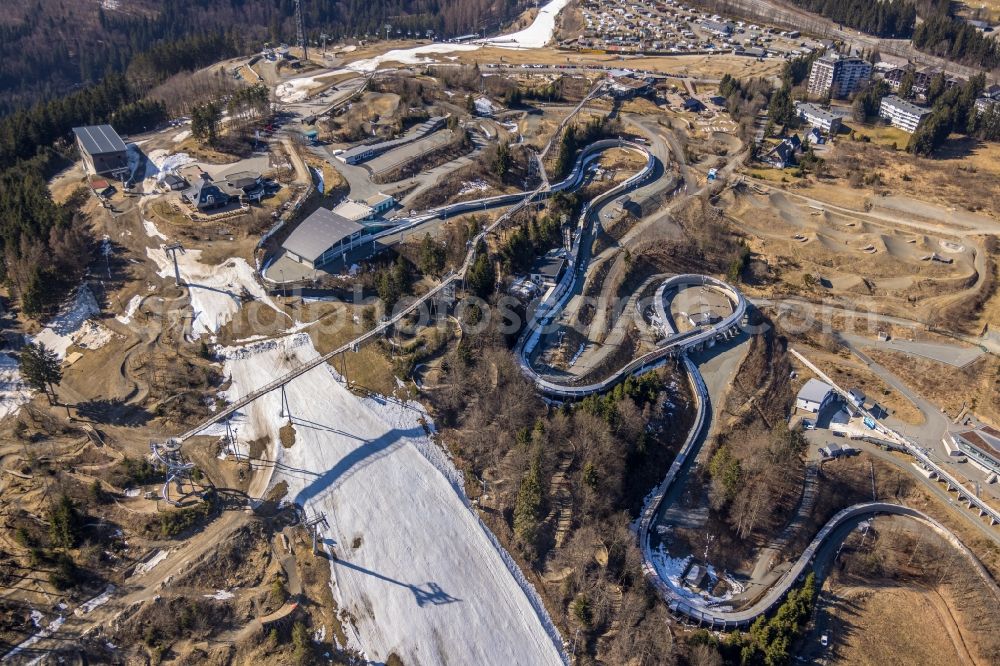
point(116, 99)
point(888, 18)
point(575, 137)
point(867, 103)
point(770, 639)
point(952, 38)
point(56, 47)
point(46, 247)
point(953, 110)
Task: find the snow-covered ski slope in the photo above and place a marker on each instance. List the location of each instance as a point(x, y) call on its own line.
point(417, 572)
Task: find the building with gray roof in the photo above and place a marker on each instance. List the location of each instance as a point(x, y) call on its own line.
point(814, 396)
point(818, 117)
point(365, 152)
point(102, 150)
point(902, 114)
point(322, 237)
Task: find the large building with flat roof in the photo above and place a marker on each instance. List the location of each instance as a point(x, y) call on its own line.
point(102, 150)
point(322, 237)
point(902, 114)
point(367, 151)
point(981, 445)
point(818, 117)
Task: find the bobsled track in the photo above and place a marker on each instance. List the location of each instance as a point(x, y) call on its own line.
point(674, 347)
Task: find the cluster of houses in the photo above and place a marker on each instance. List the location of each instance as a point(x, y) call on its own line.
point(105, 155)
point(668, 26)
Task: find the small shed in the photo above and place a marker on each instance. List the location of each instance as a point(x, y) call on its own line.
point(857, 396)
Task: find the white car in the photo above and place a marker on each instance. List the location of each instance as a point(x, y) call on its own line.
point(824, 640)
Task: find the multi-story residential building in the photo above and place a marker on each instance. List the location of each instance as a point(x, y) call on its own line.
point(818, 117)
point(838, 76)
point(902, 114)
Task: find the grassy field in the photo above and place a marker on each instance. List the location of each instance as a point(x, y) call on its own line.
point(948, 386)
point(773, 175)
point(910, 626)
point(882, 135)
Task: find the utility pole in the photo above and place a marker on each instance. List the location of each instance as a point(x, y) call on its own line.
point(388, 27)
point(300, 30)
point(285, 409)
point(173, 249)
point(311, 524)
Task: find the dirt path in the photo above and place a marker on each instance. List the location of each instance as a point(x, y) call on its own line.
point(302, 175)
point(139, 588)
point(951, 626)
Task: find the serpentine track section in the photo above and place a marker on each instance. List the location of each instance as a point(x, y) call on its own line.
point(519, 201)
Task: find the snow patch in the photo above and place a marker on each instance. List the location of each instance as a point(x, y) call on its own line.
point(13, 392)
point(216, 292)
point(672, 570)
point(49, 629)
point(484, 107)
point(152, 231)
point(165, 162)
point(536, 35)
point(428, 559)
point(96, 602)
point(130, 310)
point(297, 90)
point(220, 595)
point(181, 136)
point(150, 564)
point(470, 186)
point(73, 325)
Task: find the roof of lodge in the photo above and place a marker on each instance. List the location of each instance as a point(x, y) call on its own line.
point(318, 233)
point(814, 390)
point(985, 438)
point(99, 139)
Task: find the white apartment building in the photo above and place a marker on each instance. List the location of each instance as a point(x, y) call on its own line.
point(818, 117)
point(837, 76)
point(902, 114)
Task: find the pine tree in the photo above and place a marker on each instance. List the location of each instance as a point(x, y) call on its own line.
point(41, 368)
point(502, 162)
point(64, 523)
